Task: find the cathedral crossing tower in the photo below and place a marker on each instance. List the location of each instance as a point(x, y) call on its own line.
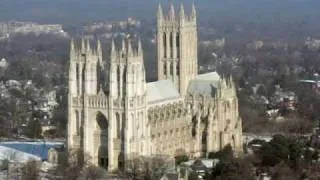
point(177, 46)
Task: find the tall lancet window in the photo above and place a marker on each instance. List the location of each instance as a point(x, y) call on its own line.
point(177, 69)
point(77, 122)
point(165, 68)
point(118, 123)
point(164, 45)
point(124, 80)
point(118, 80)
point(178, 44)
point(78, 78)
point(171, 45)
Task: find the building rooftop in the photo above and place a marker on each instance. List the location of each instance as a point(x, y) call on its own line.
point(204, 84)
point(162, 91)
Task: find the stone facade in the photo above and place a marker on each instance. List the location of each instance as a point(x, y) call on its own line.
point(124, 116)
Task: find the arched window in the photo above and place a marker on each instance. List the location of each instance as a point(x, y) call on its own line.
point(178, 44)
point(177, 69)
point(227, 106)
point(171, 45)
point(171, 68)
point(164, 68)
point(102, 124)
point(204, 137)
point(124, 80)
point(78, 78)
point(118, 125)
point(102, 121)
point(164, 45)
point(133, 128)
point(233, 142)
point(118, 79)
point(77, 122)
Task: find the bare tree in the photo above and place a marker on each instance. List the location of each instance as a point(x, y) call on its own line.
point(283, 172)
point(30, 170)
point(92, 172)
point(78, 166)
point(146, 167)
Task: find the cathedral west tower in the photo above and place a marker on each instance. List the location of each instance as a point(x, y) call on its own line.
point(177, 46)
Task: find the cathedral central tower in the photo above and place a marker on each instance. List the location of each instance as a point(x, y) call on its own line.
point(177, 46)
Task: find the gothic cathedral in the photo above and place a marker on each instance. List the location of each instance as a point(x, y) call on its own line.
point(123, 116)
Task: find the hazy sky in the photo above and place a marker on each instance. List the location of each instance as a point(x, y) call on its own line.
point(68, 11)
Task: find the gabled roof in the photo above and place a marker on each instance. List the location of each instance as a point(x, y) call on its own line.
point(204, 84)
point(161, 91)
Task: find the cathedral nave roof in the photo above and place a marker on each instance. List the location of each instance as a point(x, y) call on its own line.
point(162, 92)
point(204, 84)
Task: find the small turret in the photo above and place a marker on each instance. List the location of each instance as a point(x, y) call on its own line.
point(193, 11)
point(159, 13)
point(223, 83)
point(99, 51)
point(72, 45)
point(113, 49)
point(72, 50)
point(123, 46)
point(88, 46)
point(230, 81)
point(182, 15)
point(130, 52)
point(99, 48)
point(171, 12)
point(140, 52)
point(83, 45)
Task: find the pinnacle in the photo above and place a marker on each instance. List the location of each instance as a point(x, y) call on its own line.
point(160, 13)
point(130, 52)
point(171, 12)
point(123, 45)
point(72, 45)
point(193, 10)
point(181, 10)
point(139, 47)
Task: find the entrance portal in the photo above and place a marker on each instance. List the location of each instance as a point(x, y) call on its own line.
point(102, 122)
point(103, 157)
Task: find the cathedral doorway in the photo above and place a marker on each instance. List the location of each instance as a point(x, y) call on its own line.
point(103, 160)
point(233, 142)
point(204, 141)
point(121, 161)
point(102, 123)
point(194, 126)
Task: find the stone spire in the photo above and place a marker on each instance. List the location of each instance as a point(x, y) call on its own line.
point(182, 12)
point(99, 51)
point(171, 12)
point(113, 49)
point(123, 45)
point(130, 52)
point(140, 51)
point(99, 48)
point(159, 13)
point(232, 85)
point(193, 11)
point(83, 45)
point(88, 46)
point(72, 49)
